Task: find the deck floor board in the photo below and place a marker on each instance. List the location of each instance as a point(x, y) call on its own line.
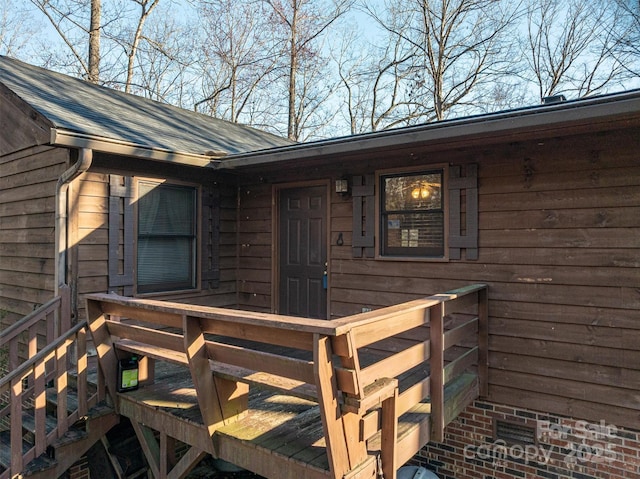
point(287, 428)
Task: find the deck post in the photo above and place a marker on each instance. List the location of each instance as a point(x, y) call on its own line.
point(336, 437)
point(150, 449)
point(483, 341)
point(16, 425)
point(436, 328)
point(104, 347)
point(161, 455)
point(61, 385)
point(389, 434)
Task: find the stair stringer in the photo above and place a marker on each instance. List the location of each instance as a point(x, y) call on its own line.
point(67, 452)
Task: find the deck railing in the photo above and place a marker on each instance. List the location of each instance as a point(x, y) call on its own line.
point(365, 371)
point(45, 322)
point(24, 390)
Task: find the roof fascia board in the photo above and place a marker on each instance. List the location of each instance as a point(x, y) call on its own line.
point(540, 118)
point(119, 147)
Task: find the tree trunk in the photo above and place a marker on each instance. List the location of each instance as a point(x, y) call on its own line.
point(292, 132)
point(94, 41)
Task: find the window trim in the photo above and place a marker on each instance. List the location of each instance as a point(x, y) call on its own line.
point(197, 235)
point(445, 208)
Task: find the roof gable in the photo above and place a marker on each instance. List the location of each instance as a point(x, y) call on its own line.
point(90, 110)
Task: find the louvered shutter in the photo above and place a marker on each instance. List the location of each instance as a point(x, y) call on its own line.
point(463, 188)
point(364, 210)
point(210, 238)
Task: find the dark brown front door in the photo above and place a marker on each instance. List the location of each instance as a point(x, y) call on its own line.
point(302, 252)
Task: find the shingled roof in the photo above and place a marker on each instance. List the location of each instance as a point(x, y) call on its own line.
point(76, 107)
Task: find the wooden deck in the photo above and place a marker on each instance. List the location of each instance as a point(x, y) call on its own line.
point(280, 435)
point(291, 397)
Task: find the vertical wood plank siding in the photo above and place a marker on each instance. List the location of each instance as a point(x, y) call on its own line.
point(558, 244)
point(27, 236)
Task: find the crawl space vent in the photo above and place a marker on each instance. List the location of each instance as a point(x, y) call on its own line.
point(514, 433)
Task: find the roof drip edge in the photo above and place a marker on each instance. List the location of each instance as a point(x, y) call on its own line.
point(118, 147)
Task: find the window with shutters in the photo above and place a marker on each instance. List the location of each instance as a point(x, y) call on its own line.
point(166, 247)
point(412, 213)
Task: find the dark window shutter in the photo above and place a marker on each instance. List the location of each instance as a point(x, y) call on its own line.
point(121, 241)
point(210, 238)
point(463, 188)
point(364, 210)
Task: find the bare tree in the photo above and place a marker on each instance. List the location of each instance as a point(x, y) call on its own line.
point(84, 28)
point(353, 82)
point(446, 55)
point(70, 19)
point(302, 23)
point(17, 29)
point(627, 47)
point(238, 60)
point(314, 88)
point(94, 41)
point(569, 46)
point(166, 57)
point(131, 46)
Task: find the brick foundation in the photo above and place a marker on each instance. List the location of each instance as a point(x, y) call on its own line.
point(557, 447)
point(80, 470)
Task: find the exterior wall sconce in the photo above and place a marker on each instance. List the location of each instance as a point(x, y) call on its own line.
point(342, 186)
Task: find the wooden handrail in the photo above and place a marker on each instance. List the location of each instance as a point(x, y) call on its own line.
point(17, 328)
point(44, 355)
point(170, 314)
point(51, 362)
point(344, 375)
point(53, 317)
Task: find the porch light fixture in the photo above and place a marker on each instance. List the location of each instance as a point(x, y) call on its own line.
point(342, 186)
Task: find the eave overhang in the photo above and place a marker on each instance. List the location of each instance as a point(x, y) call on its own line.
point(66, 138)
point(578, 116)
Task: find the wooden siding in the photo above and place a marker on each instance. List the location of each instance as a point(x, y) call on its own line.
point(90, 247)
point(22, 126)
point(255, 247)
point(27, 233)
point(89, 233)
point(224, 295)
point(559, 246)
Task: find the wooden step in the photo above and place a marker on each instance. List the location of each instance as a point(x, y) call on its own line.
point(72, 399)
point(5, 450)
point(29, 422)
point(40, 463)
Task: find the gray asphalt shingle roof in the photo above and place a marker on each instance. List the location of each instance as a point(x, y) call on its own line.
point(82, 107)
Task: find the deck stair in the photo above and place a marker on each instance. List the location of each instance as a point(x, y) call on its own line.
point(286, 397)
point(50, 413)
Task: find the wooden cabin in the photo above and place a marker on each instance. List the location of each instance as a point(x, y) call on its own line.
point(304, 248)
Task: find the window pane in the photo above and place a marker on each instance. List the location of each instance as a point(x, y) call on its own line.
point(414, 234)
point(164, 264)
point(164, 208)
point(412, 214)
point(166, 237)
point(413, 192)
